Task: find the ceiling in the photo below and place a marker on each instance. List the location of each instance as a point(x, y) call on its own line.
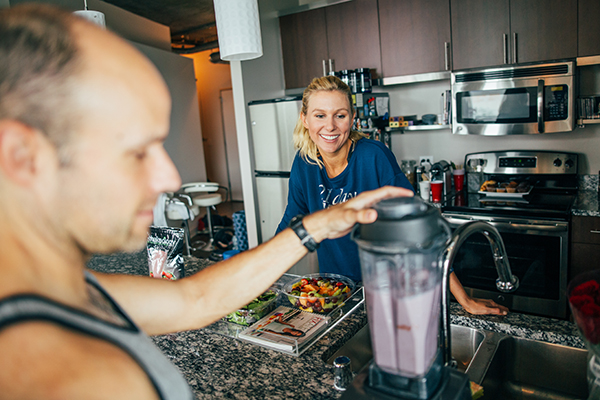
point(192, 22)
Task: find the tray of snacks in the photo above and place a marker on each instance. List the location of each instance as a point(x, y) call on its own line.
point(346, 302)
point(511, 189)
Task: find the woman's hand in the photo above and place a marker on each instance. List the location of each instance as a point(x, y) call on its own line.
point(471, 305)
point(483, 307)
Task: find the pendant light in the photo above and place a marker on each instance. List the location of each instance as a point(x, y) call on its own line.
point(238, 29)
point(93, 16)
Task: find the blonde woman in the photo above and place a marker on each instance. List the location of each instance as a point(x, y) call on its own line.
point(334, 164)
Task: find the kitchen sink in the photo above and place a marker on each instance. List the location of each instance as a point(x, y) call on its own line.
point(507, 367)
point(529, 370)
point(465, 342)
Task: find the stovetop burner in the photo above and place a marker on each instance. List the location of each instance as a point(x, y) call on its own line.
point(530, 206)
point(552, 176)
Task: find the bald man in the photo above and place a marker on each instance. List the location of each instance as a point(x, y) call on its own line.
point(83, 117)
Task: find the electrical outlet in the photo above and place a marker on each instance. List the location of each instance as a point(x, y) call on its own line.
point(425, 159)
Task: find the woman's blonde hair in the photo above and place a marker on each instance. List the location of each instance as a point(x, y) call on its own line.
point(302, 141)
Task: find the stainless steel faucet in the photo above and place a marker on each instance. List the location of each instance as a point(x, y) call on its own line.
point(506, 281)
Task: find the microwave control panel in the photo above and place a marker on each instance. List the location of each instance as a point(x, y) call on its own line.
point(556, 102)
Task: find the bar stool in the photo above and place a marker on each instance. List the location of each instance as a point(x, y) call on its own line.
point(180, 207)
point(204, 194)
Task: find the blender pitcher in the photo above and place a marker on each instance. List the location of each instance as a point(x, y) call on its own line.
point(401, 263)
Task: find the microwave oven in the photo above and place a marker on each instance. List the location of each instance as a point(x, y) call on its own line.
point(514, 100)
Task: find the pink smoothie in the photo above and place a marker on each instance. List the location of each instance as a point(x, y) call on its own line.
point(404, 331)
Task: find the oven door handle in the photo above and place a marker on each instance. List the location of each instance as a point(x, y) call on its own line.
point(543, 227)
point(510, 225)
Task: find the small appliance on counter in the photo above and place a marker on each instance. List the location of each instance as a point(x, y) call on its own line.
point(442, 171)
point(401, 261)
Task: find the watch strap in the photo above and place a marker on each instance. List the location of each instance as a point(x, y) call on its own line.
point(305, 238)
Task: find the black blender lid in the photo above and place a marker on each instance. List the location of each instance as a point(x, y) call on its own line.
point(407, 220)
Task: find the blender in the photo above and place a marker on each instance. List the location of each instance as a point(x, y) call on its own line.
point(405, 257)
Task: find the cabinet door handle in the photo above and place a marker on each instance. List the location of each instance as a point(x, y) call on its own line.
point(447, 56)
point(331, 72)
point(505, 47)
point(515, 60)
point(594, 231)
point(324, 68)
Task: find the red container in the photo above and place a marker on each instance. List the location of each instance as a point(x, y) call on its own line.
point(437, 188)
point(459, 179)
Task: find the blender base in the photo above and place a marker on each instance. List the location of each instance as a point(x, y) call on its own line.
point(454, 385)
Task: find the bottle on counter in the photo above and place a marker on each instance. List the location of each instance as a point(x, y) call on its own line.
point(406, 166)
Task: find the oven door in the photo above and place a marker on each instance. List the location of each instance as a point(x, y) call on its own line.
point(537, 252)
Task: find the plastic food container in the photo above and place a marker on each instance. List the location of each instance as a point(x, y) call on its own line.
point(320, 293)
point(255, 310)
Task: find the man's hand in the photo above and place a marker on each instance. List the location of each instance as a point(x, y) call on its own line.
point(339, 220)
point(205, 297)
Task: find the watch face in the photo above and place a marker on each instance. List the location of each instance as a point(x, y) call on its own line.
point(296, 219)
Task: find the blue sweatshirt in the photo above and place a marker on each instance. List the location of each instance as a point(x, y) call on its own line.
point(370, 166)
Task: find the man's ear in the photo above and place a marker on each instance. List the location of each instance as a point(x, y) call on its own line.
point(19, 144)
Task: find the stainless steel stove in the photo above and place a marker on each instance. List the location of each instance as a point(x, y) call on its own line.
point(533, 219)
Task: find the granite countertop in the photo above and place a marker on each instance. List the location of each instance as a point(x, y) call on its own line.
point(586, 204)
point(218, 366)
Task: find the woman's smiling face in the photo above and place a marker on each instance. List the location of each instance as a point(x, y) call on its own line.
point(328, 119)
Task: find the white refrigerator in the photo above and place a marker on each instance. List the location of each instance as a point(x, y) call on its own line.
point(273, 123)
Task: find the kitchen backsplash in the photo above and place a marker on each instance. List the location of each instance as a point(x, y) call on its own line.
point(588, 182)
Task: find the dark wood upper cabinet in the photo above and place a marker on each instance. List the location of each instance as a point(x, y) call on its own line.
point(496, 32)
point(347, 34)
point(589, 28)
point(480, 33)
point(408, 37)
point(415, 36)
point(304, 46)
point(353, 35)
point(545, 29)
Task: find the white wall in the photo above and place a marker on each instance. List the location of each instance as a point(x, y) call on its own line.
point(257, 79)
point(184, 143)
point(210, 80)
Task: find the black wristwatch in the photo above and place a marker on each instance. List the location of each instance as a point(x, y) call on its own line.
point(307, 240)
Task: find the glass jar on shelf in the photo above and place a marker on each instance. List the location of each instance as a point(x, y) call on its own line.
point(408, 168)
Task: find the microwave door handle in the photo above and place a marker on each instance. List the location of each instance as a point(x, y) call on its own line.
point(505, 48)
point(540, 106)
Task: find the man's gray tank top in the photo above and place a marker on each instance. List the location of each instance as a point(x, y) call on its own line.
point(168, 382)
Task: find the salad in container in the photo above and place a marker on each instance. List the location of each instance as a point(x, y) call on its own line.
point(255, 310)
point(321, 293)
